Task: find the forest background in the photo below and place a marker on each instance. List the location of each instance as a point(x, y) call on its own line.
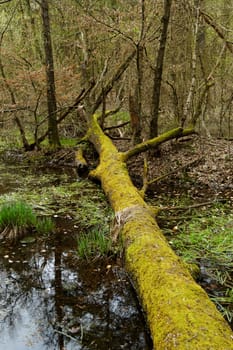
point(144, 67)
point(189, 84)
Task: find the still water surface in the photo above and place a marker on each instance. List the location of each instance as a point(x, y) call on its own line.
point(49, 299)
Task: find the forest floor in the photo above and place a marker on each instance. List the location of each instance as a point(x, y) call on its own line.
point(196, 167)
point(194, 190)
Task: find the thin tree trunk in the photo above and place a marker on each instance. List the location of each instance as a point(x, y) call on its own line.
point(8, 87)
point(51, 92)
point(191, 93)
point(138, 94)
point(135, 100)
point(35, 45)
point(159, 70)
point(109, 85)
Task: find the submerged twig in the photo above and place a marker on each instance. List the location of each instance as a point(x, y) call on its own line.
point(65, 334)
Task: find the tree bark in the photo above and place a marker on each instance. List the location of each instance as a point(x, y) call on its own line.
point(158, 71)
point(51, 91)
point(8, 87)
point(192, 89)
point(179, 313)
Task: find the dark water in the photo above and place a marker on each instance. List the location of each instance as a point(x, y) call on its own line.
point(51, 300)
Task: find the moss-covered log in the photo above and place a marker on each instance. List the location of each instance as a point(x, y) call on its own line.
point(179, 312)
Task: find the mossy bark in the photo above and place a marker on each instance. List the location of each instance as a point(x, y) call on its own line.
point(179, 313)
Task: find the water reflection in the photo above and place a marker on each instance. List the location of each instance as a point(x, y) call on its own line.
point(48, 300)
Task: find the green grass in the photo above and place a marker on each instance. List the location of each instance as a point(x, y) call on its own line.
point(18, 219)
point(94, 243)
point(206, 238)
point(44, 225)
point(16, 214)
point(208, 242)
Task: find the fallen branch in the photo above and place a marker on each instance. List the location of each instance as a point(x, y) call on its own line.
point(116, 126)
point(193, 206)
point(155, 142)
point(183, 167)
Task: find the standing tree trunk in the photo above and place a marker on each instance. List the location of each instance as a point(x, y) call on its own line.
point(191, 94)
point(135, 100)
point(51, 92)
point(8, 86)
point(179, 312)
point(137, 128)
point(158, 71)
point(35, 46)
point(134, 117)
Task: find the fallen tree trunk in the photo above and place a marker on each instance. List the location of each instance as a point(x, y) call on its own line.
point(179, 312)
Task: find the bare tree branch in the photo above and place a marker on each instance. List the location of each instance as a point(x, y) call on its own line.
point(106, 89)
point(111, 28)
point(210, 21)
point(4, 1)
point(80, 97)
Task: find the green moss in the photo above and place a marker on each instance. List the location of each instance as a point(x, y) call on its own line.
point(152, 143)
point(179, 313)
point(68, 142)
point(193, 269)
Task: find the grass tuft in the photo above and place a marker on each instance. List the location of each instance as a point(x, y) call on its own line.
point(44, 225)
point(17, 219)
point(94, 243)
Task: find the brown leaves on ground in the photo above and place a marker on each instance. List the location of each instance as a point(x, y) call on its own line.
point(197, 167)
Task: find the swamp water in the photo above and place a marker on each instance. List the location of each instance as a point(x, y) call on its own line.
point(49, 299)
